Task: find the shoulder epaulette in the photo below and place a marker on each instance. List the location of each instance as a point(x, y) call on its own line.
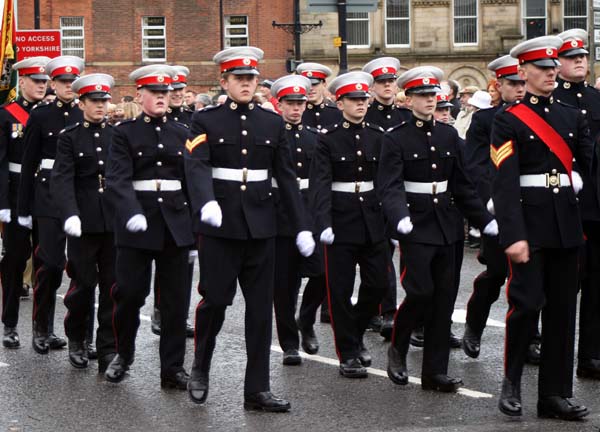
point(180, 124)
point(331, 129)
point(376, 127)
point(404, 123)
point(70, 127)
point(210, 108)
point(123, 122)
point(311, 129)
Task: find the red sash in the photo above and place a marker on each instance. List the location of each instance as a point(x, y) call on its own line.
point(547, 134)
point(18, 112)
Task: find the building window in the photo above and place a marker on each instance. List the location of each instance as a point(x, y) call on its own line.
point(575, 14)
point(154, 39)
point(534, 18)
point(72, 41)
point(236, 31)
point(397, 23)
point(465, 22)
point(357, 27)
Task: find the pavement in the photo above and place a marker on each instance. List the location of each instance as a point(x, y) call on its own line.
point(45, 393)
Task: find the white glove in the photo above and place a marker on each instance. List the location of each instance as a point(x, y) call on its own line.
point(211, 214)
point(575, 178)
point(192, 256)
point(491, 229)
point(73, 226)
point(305, 243)
point(5, 215)
point(490, 207)
point(327, 236)
point(137, 223)
point(25, 221)
point(394, 242)
point(405, 226)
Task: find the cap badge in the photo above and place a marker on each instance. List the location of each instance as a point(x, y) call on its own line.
point(359, 86)
point(98, 86)
point(426, 81)
point(246, 61)
point(549, 51)
point(309, 74)
point(574, 43)
point(384, 70)
point(296, 89)
point(68, 69)
point(42, 69)
point(160, 78)
point(176, 78)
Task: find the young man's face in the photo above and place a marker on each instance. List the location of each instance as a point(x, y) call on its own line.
point(33, 90)
point(240, 88)
point(574, 68)
point(510, 90)
point(315, 95)
point(63, 89)
point(539, 80)
point(442, 115)
point(423, 104)
point(153, 102)
point(385, 90)
point(94, 110)
point(176, 98)
point(189, 98)
point(291, 110)
point(354, 109)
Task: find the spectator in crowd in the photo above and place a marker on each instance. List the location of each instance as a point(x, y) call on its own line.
point(463, 120)
point(202, 100)
point(494, 93)
point(451, 88)
point(189, 98)
point(401, 100)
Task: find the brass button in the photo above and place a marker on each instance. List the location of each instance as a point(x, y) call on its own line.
point(157, 128)
point(160, 146)
point(360, 169)
point(98, 149)
point(96, 135)
point(159, 163)
point(583, 111)
point(554, 171)
point(433, 166)
point(66, 114)
point(359, 153)
point(160, 200)
point(432, 148)
point(100, 190)
point(357, 136)
point(428, 133)
point(243, 117)
point(100, 162)
point(555, 190)
point(244, 151)
point(243, 187)
point(361, 199)
point(435, 200)
point(299, 150)
point(299, 164)
point(244, 132)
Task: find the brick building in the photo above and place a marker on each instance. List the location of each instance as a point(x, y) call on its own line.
point(118, 36)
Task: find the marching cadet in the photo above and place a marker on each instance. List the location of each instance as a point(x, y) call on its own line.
point(442, 109)
point(290, 266)
point(146, 184)
point(319, 111)
point(423, 186)
point(383, 112)
point(78, 179)
point(41, 134)
point(16, 240)
point(349, 219)
point(233, 153)
point(486, 287)
point(574, 90)
point(533, 144)
point(178, 112)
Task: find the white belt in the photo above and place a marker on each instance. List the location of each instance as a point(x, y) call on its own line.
point(156, 185)
point(353, 187)
point(14, 167)
point(426, 188)
point(47, 164)
point(545, 180)
point(302, 183)
point(240, 175)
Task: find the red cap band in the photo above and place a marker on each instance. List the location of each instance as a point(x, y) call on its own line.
point(539, 54)
point(32, 70)
point(442, 97)
point(383, 71)
point(180, 79)
point(64, 70)
point(154, 80)
point(351, 88)
point(314, 74)
point(239, 63)
point(420, 82)
point(93, 89)
point(507, 70)
point(571, 44)
point(291, 90)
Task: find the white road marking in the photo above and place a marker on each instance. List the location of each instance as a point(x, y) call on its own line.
point(460, 316)
point(4, 364)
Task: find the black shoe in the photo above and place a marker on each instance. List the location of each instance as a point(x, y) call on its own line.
point(417, 337)
point(91, 350)
point(375, 324)
point(396, 368)
point(24, 291)
point(178, 380)
point(197, 387)
point(291, 357)
point(104, 361)
point(560, 408)
point(155, 323)
point(471, 342)
point(589, 368)
point(310, 344)
point(442, 383)
point(533, 354)
point(265, 401)
point(455, 341)
point(364, 356)
point(189, 330)
point(11, 338)
point(115, 372)
point(55, 343)
point(78, 354)
point(510, 399)
point(387, 325)
point(39, 341)
point(353, 368)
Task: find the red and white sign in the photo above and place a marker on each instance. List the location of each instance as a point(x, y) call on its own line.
point(33, 43)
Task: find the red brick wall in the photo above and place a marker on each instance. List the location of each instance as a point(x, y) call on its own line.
point(113, 34)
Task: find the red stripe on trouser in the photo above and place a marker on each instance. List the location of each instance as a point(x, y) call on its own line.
point(337, 351)
point(510, 311)
point(115, 333)
point(71, 288)
point(37, 284)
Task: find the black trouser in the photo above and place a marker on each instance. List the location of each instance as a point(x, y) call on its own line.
point(347, 321)
point(487, 285)
point(312, 297)
point(190, 275)
point(133, 274)
point(16, 241)
point(50, 262)
point(224, 262)
point(547, 282)
point(91, 261)
point(428, 277)
point(589, 307)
